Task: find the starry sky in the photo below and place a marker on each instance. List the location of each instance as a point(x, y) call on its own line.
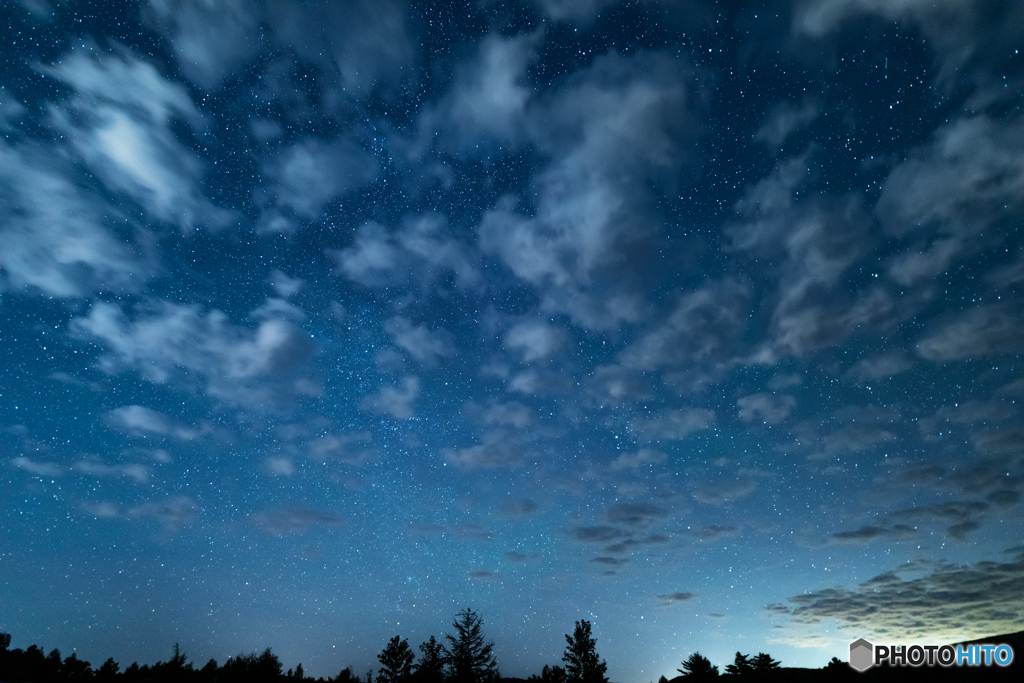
point(322, 321)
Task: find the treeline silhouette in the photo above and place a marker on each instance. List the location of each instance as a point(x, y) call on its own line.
point(464, 656)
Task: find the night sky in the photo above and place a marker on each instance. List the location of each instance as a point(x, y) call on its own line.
point(322, 321)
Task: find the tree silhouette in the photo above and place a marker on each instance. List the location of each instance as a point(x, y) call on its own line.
point(583, 665)
point(740, 666)
point(550, 674)
point(467, 654)
point(430, 668)
point(396, 661)
point(107, 671)
point(346, 676)
point(763, 663)
point(697, 666)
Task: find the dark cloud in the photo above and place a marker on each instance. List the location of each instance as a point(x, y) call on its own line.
point(518, 508)
point(670, 598)
point(635, 515)
point(980, 331)
point(515, 556)
point(964, 601)
point(288, 521)
point(597, 534)
point(614, 561)
point(705, 323)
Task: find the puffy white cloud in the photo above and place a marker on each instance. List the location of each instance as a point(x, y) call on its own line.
point(180, 343)
point(487, 100)
point(426, 346)
point(396, 401)
point(614, 134)
point(141, 421)
point(119, 123)
point(354, 448)
point(309, 174)
point(534, 339)
point(672, 423)
point(210, 39)
point(645, 457)
point(56, 237)
point(417, 253)
point(769, 408)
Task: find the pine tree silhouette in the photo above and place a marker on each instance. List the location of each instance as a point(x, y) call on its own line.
point(396, 661)
point(467, 654)
point(698, 666)
point(582, 663)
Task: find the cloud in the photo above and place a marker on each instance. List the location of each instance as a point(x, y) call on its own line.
point(281, 467)
point(867, 533)
point(57, 237)
point(364, 46)
point(672, 423)
point(670, 598)
point(487, 100)
point(713, 531)
point(499, 448)
point(950, 197)
point(40, 468)
point(614, 561)
point(613, 134)
point(597, 534)
point(515, 556)
point(178, 343)
point(210, 40)
point(769, 408)
point(120, 124)
point(573, 10)
point(173, 514)
point(635, 515)
point(283, 285)
point(355, 448)
point(783, 120)
point(426, 346)
point(141, 421)
point(309, 174)
point(881, 366)
point(395, 401)
point(645, 457)
point(294, 521)
point(947, 603)
point(417, 253)
point(706, 323)
point(518, 508)
point(724, 492)
point(534, 340)
point(980, 331)
point(97, 468)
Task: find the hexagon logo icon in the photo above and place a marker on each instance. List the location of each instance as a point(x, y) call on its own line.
point(862, 654)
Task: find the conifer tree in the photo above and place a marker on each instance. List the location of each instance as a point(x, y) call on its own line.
point(396, 661)
point(582, 663)
point(467, 654)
